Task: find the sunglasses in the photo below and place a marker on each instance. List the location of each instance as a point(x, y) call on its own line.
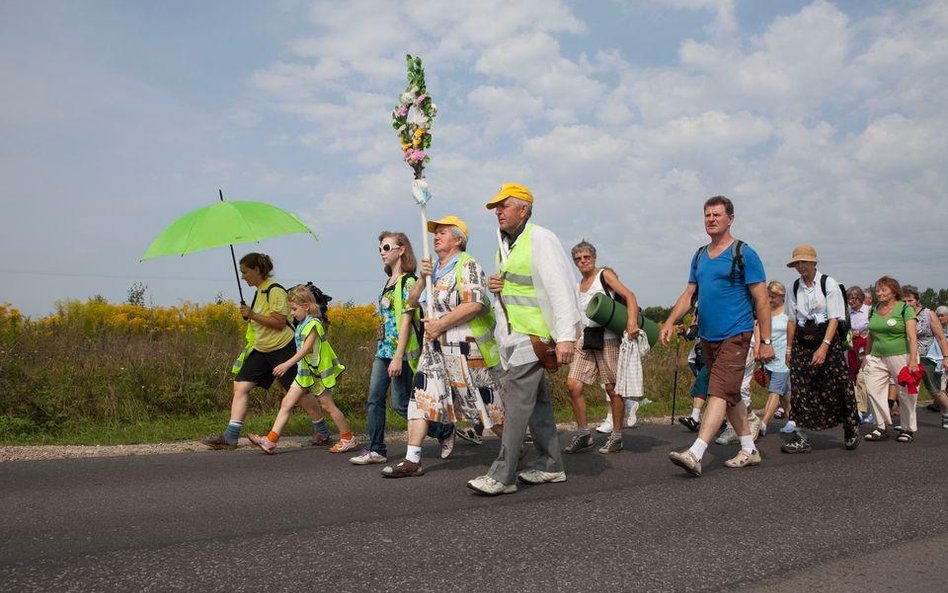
point(386, 247)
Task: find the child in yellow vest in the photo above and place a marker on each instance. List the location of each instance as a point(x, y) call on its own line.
point(316, 372)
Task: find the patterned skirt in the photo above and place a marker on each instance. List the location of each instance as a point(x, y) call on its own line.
point(823, 395)
point(451, 386)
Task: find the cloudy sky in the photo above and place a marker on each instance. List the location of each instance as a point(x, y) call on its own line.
point(825, 122)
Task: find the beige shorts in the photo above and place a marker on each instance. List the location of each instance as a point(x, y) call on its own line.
point(596, 366)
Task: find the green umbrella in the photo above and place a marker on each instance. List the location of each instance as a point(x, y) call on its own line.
point(225, 223)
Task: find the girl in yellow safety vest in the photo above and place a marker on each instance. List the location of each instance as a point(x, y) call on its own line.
point(316, 371)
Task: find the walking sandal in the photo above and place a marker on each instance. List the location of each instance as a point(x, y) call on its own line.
point(905, 437)
point(877, 435)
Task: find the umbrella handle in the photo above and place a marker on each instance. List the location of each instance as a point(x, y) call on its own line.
point(233, 258)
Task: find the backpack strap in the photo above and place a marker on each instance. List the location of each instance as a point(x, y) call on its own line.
point(737, 257)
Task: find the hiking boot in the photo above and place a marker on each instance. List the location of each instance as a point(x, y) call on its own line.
point(580, 442)
point(367, 457)
point(491, 487)
point(799, 445)
point(689, 423)
point(321, 440)
point(447, 444)
point(217, 442)
point(687, 461)
point(728, 436)
point(268, 446)
point(744, 459)
point(613, 444)
point(778, 415)
point(344, 445)
point(536, 476)
point(405, 469)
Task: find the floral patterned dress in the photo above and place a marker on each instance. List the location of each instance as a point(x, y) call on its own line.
point(453, 381)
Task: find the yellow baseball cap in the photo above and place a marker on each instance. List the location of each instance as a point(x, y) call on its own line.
point(510, 190)
point(450, 220)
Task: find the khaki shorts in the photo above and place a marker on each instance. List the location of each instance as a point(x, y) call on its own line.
point(727, 360)
point(595, 366)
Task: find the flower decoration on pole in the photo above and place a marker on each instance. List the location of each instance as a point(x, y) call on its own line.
point(412, 119)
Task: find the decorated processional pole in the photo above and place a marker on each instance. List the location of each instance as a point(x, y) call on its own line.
point(412, 119)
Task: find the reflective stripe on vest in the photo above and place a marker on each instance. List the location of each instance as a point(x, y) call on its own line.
point(412, 347)
point(519, 293)
point(327, 366)
point(482, 326)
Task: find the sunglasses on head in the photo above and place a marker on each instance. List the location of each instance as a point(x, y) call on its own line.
point(386, 247)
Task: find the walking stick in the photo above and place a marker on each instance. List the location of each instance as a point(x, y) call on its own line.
point(675, 379)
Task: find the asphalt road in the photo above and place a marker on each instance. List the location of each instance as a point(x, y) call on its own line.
point(874, 519)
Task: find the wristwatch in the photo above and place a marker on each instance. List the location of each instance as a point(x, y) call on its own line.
point(766, 341)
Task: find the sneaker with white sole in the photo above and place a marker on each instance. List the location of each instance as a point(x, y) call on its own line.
point(613, 444)
point(580, 442)
point(744, 459)
point(728, 436)
point(631, 410)
point(368, 457)
point(536, 476)
point(687, 461)
point(606, 426)
point(491, 487)
point(470, 435)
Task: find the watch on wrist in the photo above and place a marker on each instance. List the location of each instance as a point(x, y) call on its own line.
point(766, 341)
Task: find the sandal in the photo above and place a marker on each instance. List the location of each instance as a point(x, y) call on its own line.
point(877, 435)
point(405, 469)
point(905, 437)
point(470, 435)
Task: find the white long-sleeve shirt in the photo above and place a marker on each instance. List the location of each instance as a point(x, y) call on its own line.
point(556, 290)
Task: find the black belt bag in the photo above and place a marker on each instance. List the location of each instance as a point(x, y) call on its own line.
point(594, 338)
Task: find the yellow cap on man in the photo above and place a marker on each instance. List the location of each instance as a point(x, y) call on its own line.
point(510, 190)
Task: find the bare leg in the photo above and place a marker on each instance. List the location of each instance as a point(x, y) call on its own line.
point(617, 405)
point(417, 430)
point(329, 406)
point(311, 406)
point(578, 402)
point(286, 408)
point(238, 405)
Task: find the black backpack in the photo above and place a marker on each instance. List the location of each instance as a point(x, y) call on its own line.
point(846, 324)
point(737, 268)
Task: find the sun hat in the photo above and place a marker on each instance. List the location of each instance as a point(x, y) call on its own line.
point(450, 220)
point(510, 190)
point(802, 252)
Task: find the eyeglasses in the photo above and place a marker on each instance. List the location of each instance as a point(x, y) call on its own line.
point(386, 247)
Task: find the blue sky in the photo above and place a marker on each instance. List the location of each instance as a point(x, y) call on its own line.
point(823, 121)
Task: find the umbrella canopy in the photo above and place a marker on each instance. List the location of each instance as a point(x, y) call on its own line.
point(225, 223)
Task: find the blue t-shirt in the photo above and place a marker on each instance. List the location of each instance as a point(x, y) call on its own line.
point(726, 306)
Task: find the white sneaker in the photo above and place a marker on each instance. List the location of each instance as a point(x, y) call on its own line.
point(490, 486)
point(631, 407)
point(789, 428)
point(535, 476)
point(728, 436)
point(367, 458)
point(606, 426)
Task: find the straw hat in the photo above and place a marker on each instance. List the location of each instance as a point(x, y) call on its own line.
point(802, 252)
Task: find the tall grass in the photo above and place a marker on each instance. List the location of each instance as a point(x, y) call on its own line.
point(94, 372)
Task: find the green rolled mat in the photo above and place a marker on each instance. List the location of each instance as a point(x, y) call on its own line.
point(604, 310)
